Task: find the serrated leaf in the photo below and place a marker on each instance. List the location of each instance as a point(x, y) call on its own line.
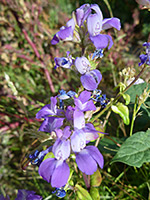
point(94, 193)
point(135, 150)
point(96, 179)
point(82, 193)
point(123, 111)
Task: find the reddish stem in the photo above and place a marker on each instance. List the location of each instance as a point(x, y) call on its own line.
point(40, 59)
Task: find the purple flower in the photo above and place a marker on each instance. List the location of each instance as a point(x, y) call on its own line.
point(101, 41)
point(37, 157)
point(50, 124)
point(82, 65)
point(4, 198)
point(87, 157)
point(64, 62)
point(55, 170)
point(90, 132)
point(82, 13)
point(63, 134)
point(69, 113)
point(96, 24)
point(65, 33)
point(23, 195)
point(27, 195)
point(90, 79)
point(78, 119)
point(83, 103)
point(49, 109)
point(78, 140)
point(145, 58)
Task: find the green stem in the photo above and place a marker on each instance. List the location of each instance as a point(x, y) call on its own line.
point(109, 8)
point(133, 117)
point(118, 96)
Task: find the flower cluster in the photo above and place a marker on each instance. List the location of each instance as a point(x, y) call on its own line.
point(65, 118)
point(85, 26)
point(72, 134)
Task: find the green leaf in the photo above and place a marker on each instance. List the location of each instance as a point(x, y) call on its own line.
point(137, 90)
point(135, 150)
point(94, 193)
point(82, 193)
point(123, 111)
point(96, 179)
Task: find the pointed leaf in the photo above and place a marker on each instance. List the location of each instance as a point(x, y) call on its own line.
point(135, 150)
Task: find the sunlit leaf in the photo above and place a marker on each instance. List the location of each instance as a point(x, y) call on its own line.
point(135, 150)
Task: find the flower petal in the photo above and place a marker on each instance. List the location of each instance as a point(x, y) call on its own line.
point(85, 162)
point(82, 13)
point(65, 33)
point(91, 80)
point(90, 132)
point(84, 96)
point(50, 124)
point(97, 10)
point(78, 119)
point(49, 109)
point(78, 140)
point(61, 149)
point(60, 175)
point(94, 24)
point(55, 40)
point(66, 132)
point(71, 24)
point(111, 22)
point(97, 156)
point(82, 64)
point(102, 41)
point(46, 168)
